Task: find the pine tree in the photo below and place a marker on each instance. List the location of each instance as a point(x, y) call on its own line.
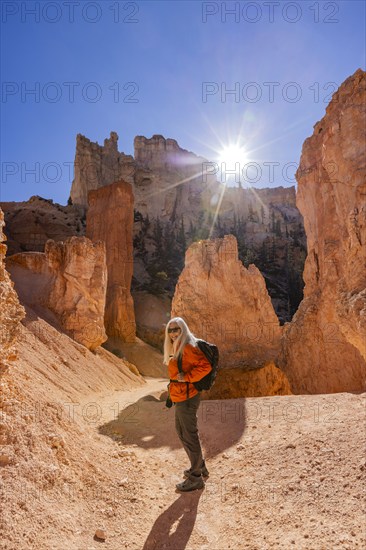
point(263, 214)
point(181, 237)
point(137, 216)
point(263, 257)
point(235, 227)
point(192, 232)
point(158, 240)
point(273, 224)
point(278, 228)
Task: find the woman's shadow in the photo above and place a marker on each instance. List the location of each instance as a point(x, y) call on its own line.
point(182, 512)
point(148, 424)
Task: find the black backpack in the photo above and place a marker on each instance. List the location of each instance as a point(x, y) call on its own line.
point(212, 353)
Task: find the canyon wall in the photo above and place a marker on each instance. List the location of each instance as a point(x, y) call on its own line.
point(66, 285)
point(178, 193)
point(29, 224)
point(170, 183)
point(324, 347)
point(11, 312)
point(167, 180)
point(110, 219)
point(98, 165)
point(227, 304)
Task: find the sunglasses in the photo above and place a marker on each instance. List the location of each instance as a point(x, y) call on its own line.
point(177, 329)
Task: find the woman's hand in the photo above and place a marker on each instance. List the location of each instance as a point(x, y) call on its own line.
point(180, 377)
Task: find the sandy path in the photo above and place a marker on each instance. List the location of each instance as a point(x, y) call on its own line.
point(286, 472)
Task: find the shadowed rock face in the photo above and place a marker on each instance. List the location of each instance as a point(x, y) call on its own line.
point(67, 285)
point(11, 312)
point(324, 347)
point(110, 219)
point(227, 304)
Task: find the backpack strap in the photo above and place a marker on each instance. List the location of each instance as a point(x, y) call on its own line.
point(181, 370)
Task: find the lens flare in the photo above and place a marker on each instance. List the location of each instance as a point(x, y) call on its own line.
point(231, 154)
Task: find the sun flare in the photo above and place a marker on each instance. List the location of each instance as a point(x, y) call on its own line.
point(231, 154)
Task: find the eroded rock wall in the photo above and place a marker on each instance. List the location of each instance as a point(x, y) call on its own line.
point(11, 312)
point(29, 224)
point(67, 285)
point(324, 347)
point(110, 219)
point(170, 182)
point(98, 165)
point(227, 304)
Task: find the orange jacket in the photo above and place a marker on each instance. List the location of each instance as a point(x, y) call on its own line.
point(195, 366)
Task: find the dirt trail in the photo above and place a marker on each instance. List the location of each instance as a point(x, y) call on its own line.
point(92, 446)
point(286, 472)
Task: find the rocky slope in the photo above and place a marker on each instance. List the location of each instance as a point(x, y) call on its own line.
point(11, 312)
point(46, 459)
point(324, 345)
point(92, 448)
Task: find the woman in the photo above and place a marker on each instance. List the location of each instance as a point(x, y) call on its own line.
point(181, 343)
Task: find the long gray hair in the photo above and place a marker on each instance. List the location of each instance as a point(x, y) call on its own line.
point(186, 337)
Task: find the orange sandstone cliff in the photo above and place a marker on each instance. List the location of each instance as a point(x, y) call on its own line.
point(66, 285)
point(110, 219)
point(11, 312)
point(227, 304)
point(324, 346)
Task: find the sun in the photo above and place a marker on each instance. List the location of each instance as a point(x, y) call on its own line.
point(231, 154)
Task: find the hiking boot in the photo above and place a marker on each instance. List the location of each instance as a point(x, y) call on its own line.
point(204, 471)
point(191, 484)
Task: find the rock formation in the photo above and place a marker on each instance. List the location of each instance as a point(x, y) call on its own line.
point(29, 224)
point(152, 313)
point(324, 347)
point(177, 193)
point(239, 382)
point(11, 312)
point(167, 181)
point(98, 165)
point(170, 183)
point(66, 285)
point(227, 304)
point(110, 219)
point(180, 191)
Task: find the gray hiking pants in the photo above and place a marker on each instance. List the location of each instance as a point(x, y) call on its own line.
point(186, 426)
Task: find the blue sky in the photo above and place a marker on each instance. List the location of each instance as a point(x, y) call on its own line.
point(149, 67)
